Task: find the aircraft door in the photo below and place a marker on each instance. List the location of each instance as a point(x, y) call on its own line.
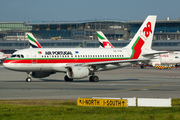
point(33, 57)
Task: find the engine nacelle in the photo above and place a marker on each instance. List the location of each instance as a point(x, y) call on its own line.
point(154, 62)
point(77, 72)
point(40, 74)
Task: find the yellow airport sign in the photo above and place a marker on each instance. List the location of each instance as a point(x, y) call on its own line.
point(114, 103)
point(88, 102)
point(101, 102)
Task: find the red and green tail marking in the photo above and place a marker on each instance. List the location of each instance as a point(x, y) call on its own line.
point(136, 48)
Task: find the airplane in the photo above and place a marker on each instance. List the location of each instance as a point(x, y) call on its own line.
point(4, 56)
point(172, 59)
point(79, 63)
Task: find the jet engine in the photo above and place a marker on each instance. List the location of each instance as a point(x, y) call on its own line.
point(77, 72)
point(155, 62)
point(41, 74)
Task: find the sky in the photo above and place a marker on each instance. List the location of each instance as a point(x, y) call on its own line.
point(74, 10)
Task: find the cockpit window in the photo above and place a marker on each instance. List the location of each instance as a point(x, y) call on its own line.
point(12, 56)
point(22, 56)
point(17, 56)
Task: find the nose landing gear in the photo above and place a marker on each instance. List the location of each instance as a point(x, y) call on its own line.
point(28, 79)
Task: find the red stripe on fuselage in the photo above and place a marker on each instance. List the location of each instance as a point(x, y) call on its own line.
point(137, 48)
point(58, 60)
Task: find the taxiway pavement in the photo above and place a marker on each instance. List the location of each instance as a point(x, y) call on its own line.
point(119, 83)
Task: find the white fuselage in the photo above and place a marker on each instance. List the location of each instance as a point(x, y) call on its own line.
point(46, 59)
point(172, 59)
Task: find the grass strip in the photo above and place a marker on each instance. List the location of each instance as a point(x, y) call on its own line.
point(68, 109)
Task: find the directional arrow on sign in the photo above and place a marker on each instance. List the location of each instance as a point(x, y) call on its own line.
point(123, 103)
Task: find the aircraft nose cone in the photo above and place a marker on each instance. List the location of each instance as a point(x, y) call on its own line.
point(6, 64)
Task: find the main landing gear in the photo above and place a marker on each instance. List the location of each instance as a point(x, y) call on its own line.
point(93, 79)
point(143, 66)
point(28, 79)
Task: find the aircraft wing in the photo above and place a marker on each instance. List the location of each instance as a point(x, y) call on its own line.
point(153, 53)
point(113, 62)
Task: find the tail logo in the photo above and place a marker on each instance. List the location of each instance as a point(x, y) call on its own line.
point(39, 52)
point(146, 31)
point(107, 45)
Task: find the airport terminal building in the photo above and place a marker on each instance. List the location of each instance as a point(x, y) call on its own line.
point(83, 33)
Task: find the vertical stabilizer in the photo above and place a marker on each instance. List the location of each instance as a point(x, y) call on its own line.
point(32, 41)
point(143, 38)
point(103, 41)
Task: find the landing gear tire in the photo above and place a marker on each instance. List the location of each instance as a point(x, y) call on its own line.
point(67, 79)
point(93, 79)
point(143, 66)
point(28, 79)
